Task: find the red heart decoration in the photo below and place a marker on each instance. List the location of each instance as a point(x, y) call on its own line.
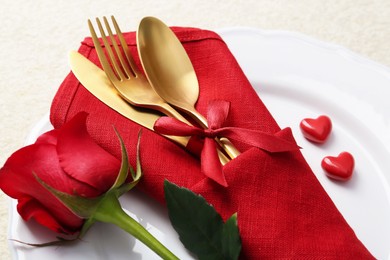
point(340, 167)
point(316, 130)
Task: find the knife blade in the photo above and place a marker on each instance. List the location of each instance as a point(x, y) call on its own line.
point(96, 82)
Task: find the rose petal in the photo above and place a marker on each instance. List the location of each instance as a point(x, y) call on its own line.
point(30, 208)
point(82, 158)
point(48, 137)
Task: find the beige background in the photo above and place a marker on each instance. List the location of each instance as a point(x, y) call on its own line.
point(37, 35)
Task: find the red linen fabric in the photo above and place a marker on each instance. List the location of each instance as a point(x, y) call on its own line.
point(283, 211)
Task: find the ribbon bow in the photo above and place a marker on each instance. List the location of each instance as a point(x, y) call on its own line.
point(217, 113)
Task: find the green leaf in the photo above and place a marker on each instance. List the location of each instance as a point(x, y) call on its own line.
point(87, 225)
point(200, 227)
point(231, 241)
point(138, 172)
point(123, 172)
point(135, 175)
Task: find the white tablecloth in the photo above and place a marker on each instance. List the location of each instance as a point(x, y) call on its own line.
point(36, 37)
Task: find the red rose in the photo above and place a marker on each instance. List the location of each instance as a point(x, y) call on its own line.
point(67, 159)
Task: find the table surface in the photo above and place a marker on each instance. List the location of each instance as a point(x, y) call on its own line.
point(36, 37)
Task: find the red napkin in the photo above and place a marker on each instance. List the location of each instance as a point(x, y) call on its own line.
point(283, 211)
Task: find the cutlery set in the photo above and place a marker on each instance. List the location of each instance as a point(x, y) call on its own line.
point(170, 84)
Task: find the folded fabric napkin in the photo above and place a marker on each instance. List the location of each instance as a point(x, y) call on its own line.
point(283, 211)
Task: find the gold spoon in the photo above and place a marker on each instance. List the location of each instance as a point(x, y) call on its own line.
point(170, 71)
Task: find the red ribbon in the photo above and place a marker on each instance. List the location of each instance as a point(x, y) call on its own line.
point(216, 115)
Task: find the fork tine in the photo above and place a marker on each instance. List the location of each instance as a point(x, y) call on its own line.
point(125, 66)
point(115, 65)
point(125, 48)
point(99, 50)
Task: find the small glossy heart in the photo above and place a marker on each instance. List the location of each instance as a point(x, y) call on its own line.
point(316, 130)
point(340, 167)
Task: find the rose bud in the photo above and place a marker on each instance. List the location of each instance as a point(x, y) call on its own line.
point(66, 182)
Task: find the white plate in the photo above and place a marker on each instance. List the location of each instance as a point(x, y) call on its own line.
point(296, 77)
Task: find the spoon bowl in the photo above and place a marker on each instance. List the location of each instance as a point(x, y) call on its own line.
point(169, 69)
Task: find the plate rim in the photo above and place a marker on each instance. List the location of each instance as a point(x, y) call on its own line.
point(335, 47)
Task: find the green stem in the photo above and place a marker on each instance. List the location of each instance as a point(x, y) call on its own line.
point(110, 211)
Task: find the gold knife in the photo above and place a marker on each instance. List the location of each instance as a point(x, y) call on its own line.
point(95, 81)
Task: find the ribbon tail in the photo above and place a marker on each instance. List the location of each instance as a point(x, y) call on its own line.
point(265, 141)
point(210, 164)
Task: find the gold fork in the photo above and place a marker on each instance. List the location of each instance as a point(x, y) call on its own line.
point(122, 71)
point(124, 74)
